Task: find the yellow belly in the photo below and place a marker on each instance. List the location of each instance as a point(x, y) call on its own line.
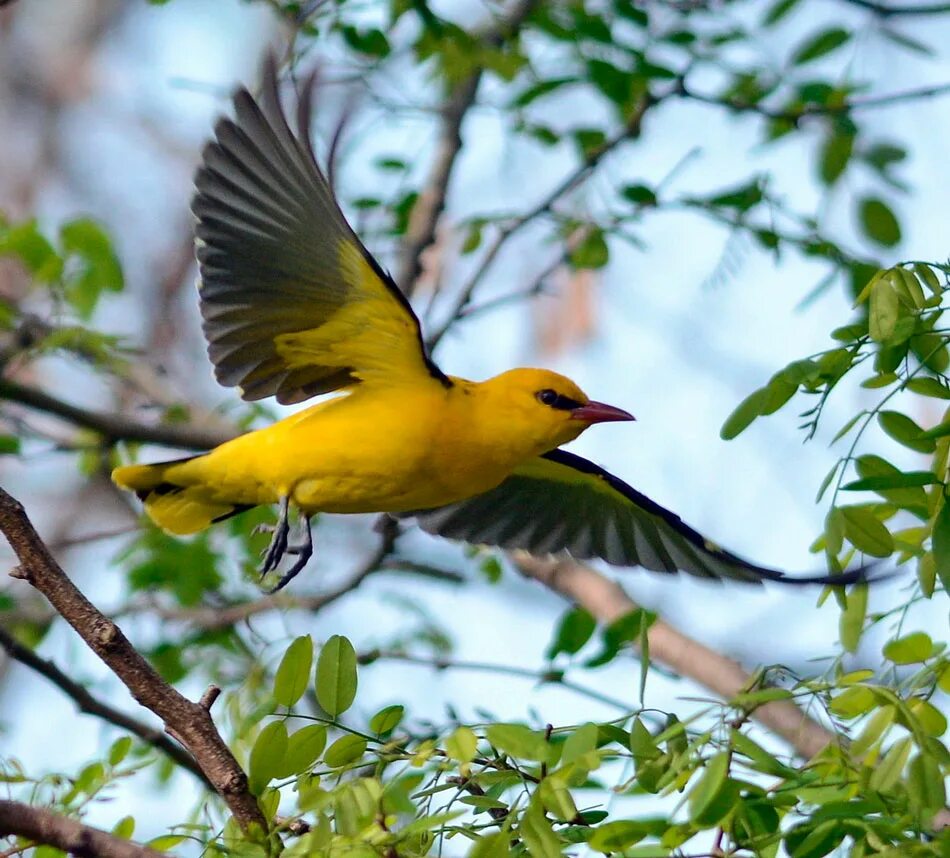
point(359, 453)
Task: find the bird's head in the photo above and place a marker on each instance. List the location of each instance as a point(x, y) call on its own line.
point(546, 407)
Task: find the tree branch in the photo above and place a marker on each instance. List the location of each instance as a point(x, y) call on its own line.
point(113, 426)
point(630, 131)
point(607, 601)
point(189, 722)
point(542, 677)
point(85, 701)
point(884, 11)
point(420, 234)
point(869, 103)
point(214, 618)
point(44, 826)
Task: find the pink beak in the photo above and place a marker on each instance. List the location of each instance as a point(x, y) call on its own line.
point(600, 412)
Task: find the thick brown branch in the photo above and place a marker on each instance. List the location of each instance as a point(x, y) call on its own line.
point(87, 703)
point(44, 826)
point(421, 231)
point(113, 426)
point(189, 722)
point(607, 601)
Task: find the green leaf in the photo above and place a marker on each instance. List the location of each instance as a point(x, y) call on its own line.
point(929, 387)
point(347, 749)
point(9, 445)
point(639, 195)
point(777, 11)
point(119, 750)
point(925, 784)
point(851, 623)
point(853, 701)
point(910, 649)
point(29, 245)
point(491, 846)
point(642, 743)
point(941, 545)
point(835, 154)
point(267, 756)
point(293, 674)
point(387, 719)
point(303, 749)
point(879, 222)
point(616, 836)
point(926, 276)
point(900, 480)
point(888, 771)
point(743, 415)
point(462, 744)
point(819, 45)
point(124, 828)
point(579, 742)
point(336, 675)
point(905, 431)
point(519, 741)
point(537, 834)
point(574, 630)
point(866, 532)
point(557, 798)
point(883, 313)
point(712, 781)
point(592, 252)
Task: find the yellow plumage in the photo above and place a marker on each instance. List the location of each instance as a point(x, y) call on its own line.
point(294, 306)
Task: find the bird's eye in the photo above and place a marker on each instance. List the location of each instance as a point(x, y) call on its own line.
point(547, 396)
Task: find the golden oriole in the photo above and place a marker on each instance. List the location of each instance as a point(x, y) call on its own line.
point(294, 306)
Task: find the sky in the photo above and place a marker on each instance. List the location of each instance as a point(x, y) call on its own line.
point(674, 344)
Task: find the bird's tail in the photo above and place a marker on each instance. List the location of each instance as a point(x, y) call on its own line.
point(176, 507)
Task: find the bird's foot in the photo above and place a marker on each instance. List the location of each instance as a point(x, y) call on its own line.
point(303, 551)
point(279, 539)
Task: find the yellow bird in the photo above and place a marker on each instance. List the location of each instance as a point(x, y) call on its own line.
point(295, 306)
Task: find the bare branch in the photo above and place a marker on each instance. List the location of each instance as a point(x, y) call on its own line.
point(189, 722)
point(607, 601)
point(420, 233)
point(114, 426)
point(217, 617)
point(542, 677)
point(630, 131)
point(850, 106)
point(44, 826)
point(883, 10)
point(87, 703)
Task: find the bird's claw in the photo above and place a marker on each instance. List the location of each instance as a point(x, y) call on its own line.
point(280, 545)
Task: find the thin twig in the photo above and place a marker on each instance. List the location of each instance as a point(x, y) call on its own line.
point(542, 677)
point(213, 618)
point(885, 11)
point(421, 231)
point(869, 103)
point(630, 131)
point(85, 701)
point(114, 426)
point(188, 721)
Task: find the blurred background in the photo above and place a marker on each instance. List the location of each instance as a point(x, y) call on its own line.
point(104, 108)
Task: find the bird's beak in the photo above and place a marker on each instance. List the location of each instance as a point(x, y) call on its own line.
point(600, 412)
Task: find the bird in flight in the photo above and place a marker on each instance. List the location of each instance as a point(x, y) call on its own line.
point(295, 306)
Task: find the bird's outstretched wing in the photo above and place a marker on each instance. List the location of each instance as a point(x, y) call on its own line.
point(562, 502)
point(293, 304)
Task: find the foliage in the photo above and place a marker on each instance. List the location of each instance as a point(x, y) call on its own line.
point(335, 780)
